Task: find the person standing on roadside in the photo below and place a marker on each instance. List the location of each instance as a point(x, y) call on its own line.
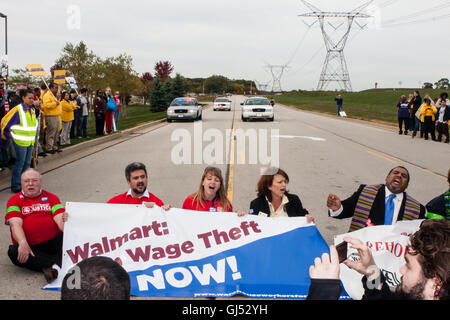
point(443, 117)
point(428, 112)
point(52, 109)
point(20, 125)
point(339, 103)
point(415, 104)
point(403, 114)
point(83, 113)
point(100, 112)
point(118, 102)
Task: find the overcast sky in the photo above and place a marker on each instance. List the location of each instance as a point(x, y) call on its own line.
point(236, 38)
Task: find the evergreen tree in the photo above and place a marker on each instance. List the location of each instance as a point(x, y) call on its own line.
point(178, 86)
point(157, 98)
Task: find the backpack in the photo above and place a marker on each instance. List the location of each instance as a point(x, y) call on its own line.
point(111, 105)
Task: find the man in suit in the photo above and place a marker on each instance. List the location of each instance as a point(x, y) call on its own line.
point(378, 204)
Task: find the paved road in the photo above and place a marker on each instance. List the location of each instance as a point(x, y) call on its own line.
point(321, 154)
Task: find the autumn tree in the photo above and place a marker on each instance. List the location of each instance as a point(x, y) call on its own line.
point(163, 69)
point(147, 82)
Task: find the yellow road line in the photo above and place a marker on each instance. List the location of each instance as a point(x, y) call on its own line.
point(387, 158)
point(230, 190)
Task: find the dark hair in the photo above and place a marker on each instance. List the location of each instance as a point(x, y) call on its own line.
point(37, 90)
point(444, 94)
point(73, 91)
point(24, 92)
point(83, 90)
point(266, 180)
point(51, 85)
point(63, 94)
point(432, 245)
point(427, 100)
point(43, 86)
point(101, 278)
point(448, 176)
point(403, 169)
point(134, 167)
point(417, 91)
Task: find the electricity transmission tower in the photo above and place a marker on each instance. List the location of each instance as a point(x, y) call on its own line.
point(277, 72)
point(335, 67)
point(261, 86)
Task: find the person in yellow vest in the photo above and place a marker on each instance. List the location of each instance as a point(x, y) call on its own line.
point(428, 115)
point(52, 110)
point(20, 125)
point(68, 106)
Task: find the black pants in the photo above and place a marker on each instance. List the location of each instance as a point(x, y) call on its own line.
point(403, 122)
point(100, 125)
point(46, 254)
point(442, 129)
point(429, 127)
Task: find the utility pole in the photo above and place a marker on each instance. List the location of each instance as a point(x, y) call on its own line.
point(335, 67)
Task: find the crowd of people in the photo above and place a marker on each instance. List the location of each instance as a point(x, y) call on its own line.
point(35, 122)
point(428, 116)
point(36, 218)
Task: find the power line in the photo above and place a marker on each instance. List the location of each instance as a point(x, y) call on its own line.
point(431, 19)
point(420, 13)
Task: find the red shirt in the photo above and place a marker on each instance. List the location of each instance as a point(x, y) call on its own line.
point(37, 215)
point(205, 205)
point(126, 198)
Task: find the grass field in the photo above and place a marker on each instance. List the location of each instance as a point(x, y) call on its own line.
point(372, 105)
point(135, 115)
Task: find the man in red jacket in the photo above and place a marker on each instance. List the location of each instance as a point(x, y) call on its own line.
point(36, 220)
point(136, 175)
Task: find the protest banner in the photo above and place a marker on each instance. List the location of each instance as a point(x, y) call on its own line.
point(388, 245)
point(182, 253)
point(59, 76)
point(4, 66)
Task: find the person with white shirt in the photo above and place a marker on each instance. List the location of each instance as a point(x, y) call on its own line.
point(382, 204)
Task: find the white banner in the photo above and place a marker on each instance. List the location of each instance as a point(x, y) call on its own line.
point(182, 253)
point(388, 245)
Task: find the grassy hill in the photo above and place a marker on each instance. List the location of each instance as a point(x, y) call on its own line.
point(372, 105)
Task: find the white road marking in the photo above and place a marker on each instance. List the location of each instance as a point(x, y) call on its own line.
point(301, 137)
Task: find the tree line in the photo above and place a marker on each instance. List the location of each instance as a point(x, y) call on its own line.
point(158, 87)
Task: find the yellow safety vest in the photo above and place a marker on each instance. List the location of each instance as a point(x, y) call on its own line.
point(24, 133)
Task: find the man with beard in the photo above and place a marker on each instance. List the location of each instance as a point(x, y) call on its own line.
point(136, 176)
point(378, 204)
point(425, 275)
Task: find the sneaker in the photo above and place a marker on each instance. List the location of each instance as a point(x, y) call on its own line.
point(50, 274)
point(58, 150)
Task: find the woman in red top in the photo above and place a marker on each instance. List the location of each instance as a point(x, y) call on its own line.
point(210, 195)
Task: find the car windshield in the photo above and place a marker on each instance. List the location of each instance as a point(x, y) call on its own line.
point(221, 100)
point(182, 102)
point(257, 102)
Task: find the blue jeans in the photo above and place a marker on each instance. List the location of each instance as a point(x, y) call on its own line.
point(82, 126)
point(339, 107)
point(417, 123)
point(23, 161)
point(116, 118)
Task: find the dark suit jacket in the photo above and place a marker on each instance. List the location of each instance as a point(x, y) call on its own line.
point(437, 205)
point(294, 207)
point(377, 212)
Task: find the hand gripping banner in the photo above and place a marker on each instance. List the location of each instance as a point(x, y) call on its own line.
point(182, 253)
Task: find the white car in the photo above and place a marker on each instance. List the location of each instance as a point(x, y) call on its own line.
point(184, 108)
point(222, 104)
point(257, 108)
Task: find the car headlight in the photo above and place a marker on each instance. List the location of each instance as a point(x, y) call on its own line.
point(191, 110)
point(170, 111)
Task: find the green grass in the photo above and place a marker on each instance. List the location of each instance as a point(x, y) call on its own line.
point(372, 105)
point(135, 115)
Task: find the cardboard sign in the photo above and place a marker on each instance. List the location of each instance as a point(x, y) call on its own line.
point(59, 76)
point(71, 82)
point(36, 70)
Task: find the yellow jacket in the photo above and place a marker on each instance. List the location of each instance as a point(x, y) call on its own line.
point(67, 110)
point(427, 111)
point(49, 105)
